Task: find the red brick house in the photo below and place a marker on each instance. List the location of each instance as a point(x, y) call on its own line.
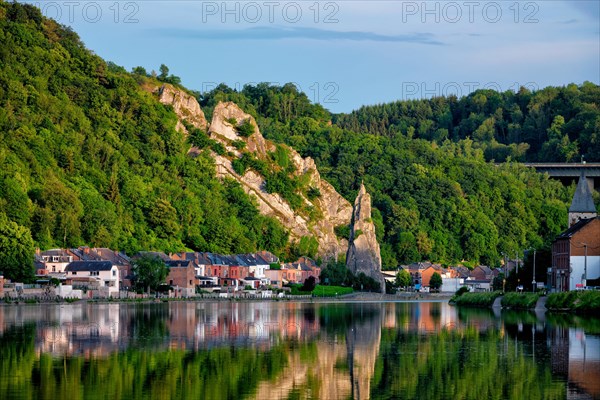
point(182, 277)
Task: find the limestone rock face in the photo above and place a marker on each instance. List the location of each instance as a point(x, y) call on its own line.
point(184, 105)
point(334, 208)
point(222, 126)
point(363, 251)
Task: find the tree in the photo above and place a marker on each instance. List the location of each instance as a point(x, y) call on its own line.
point(164, 72)
point(149, 272)
point(435, 283)
point(335, 273)
point(16, 251)
point(403, 279)
point(309, 284)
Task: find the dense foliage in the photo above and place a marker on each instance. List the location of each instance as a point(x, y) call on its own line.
point(587, 301)
point(553, 124)
point(149, 273)
point(87, 156)
point(520, 301)
point(16, 248)
point(479, 299)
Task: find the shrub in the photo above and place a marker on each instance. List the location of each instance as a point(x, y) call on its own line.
point(218, 147)
point(309, 284)
point(578, 301)
point(521, 301)
point(239, 144)
point(342, 231)
point(313, 193)
point(245, 129)
point(462, 290)
point(483, 299)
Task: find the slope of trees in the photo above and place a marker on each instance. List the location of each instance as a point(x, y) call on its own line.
point(88, 157)
point(553, 124)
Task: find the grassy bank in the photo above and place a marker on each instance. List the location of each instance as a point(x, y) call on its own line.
point(323, 291)
point(520, 301)
point(484, 299)
point(587, 301)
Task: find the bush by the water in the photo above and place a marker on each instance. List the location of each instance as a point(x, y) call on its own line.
point(521, 301)
point(484, 299)
point(581, 301)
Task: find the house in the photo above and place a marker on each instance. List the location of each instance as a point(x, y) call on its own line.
point(256, 263)
point(482, 273)
point(121, 260)
point(389, 276)
point(428, 272)
point(576, 251)
point(182, 277)
point(300, 270)
point(101, 278)
point(251, 281)
point(200, 260)
point(576, 256)
point(275, 277)
point(206, 282)
point(415, 270)
point(476, 285)
point(53, 262)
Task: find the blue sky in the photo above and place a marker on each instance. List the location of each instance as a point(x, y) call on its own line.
point(345, 54)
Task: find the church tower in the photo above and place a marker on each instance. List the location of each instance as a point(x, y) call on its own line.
point(582, 206)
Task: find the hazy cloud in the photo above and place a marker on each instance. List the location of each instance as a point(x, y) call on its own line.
point(275, 33)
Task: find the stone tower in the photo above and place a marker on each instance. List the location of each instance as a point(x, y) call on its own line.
point(582, 206)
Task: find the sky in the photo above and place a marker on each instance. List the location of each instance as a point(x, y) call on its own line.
point(345, 54)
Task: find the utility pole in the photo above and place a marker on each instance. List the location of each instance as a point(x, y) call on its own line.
point(533, 282)
point(584, 265)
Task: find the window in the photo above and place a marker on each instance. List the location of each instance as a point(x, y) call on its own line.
point(114, 272)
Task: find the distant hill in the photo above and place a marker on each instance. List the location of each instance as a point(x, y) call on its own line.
point(554, 124)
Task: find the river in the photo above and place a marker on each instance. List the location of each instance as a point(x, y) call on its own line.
point(294, 350)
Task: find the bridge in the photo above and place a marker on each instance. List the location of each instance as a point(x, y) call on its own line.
point(567, 172)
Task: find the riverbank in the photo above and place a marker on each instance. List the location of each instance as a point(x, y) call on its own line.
point(574, 301)
point(354, 297)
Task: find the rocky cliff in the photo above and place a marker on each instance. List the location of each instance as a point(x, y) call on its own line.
point(333, 209)
point(363, 251)
point(185, 105)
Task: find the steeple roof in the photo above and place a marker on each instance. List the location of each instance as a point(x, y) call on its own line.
point(582, 199)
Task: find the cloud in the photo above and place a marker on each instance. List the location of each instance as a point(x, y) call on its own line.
point(276, 33)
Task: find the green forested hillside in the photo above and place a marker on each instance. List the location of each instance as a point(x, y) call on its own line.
point(89, 157)
point(441, 202)
point(552, 124)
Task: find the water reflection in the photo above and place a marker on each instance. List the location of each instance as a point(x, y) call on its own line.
point(294, 350)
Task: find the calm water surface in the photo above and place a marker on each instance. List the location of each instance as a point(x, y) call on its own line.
point(281, 350)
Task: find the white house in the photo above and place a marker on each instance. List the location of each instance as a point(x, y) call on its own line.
point(94, 275)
